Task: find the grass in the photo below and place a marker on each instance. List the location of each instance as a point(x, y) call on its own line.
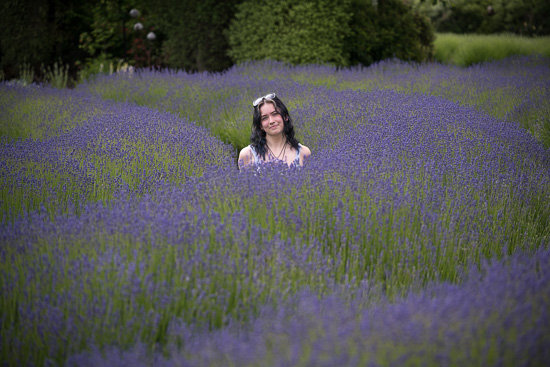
point(466, 50)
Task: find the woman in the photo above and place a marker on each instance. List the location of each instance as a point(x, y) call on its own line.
point(272, 136)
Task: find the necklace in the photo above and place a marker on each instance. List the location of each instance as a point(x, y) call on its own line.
point(282, 152)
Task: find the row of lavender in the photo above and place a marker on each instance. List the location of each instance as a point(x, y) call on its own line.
point(496, 317)
point(87, 149)
point(515, 89)
point(134, 226)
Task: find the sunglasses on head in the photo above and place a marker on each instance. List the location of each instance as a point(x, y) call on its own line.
point(267, 96)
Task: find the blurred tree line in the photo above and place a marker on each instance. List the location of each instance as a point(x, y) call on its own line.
point(212, 35)
point(523, 17)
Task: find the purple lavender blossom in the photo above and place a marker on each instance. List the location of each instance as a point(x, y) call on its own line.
point(496, 316)
point(133, 231)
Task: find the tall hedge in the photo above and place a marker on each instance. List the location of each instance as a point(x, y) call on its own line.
point(296, 31)
point(388, 29)
point(342, 32)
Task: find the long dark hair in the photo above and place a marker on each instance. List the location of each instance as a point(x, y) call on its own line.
point(257, 138)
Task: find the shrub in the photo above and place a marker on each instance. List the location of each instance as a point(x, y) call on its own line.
point(102, 64)
point(57, 76)
point(26, 73)
point(388, 30)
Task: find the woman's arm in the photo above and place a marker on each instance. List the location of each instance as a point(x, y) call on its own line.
point(245, 157)
point(304, 154)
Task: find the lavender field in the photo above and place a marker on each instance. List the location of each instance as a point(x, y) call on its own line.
point(417, 234)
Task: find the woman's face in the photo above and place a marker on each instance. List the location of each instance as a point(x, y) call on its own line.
point(272, 121)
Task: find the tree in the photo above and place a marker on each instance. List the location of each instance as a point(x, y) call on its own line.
point(38, 32)
point(388, 29)
point(112, 36)
point(401, 33)
point(195, 39)
point(525, 17)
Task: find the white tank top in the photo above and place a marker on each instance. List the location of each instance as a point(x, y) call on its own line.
point(258, 160)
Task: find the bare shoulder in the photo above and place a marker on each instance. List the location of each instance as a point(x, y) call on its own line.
point(245, 157)
point(245, 151)
point(304, 151)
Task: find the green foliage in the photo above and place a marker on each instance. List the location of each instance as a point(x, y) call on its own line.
point(105, 34)
point(297, 32)
point(364, 36)
point(112, 33)
point(465, 50)
point(343, 33)
point(194, 29)
point(26, 73)
point(545, 132)
point(208, 35)
point(102, 64)
point(40, 32)
point(389, 30)
point(57, 76)
point(27, 36)
point(525, 17)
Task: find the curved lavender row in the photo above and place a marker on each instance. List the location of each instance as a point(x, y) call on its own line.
point(68, 167)
point(498, 316)
point(516, 89)
point(39, 112)
point(125, 147)
point(496, 87)
point(221, 102)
